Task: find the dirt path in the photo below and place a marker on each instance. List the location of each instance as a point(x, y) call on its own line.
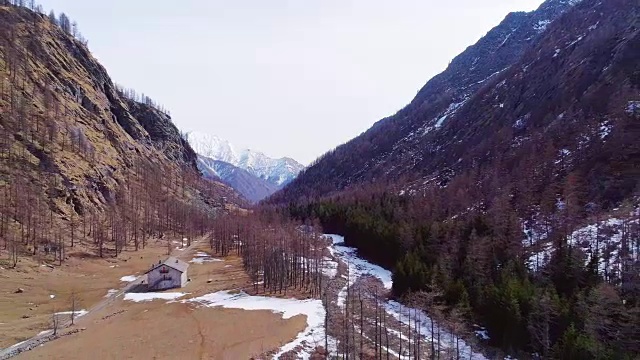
point(47, 336)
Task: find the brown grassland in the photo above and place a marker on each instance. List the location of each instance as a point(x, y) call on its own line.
point(128, 330)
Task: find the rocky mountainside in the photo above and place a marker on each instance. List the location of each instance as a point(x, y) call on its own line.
point(270, 174)
point(72, 143)
point(508, 190)
point(250, 186)
point(539, 79)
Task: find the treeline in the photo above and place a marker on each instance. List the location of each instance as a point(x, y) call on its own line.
point(133, 95)
point(70, 27)
point(62, 20)
point(477, 262)
point(156, 202)
point(288, 257)
point(278, 255)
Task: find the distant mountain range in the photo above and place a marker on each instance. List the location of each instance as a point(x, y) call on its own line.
point(252, 173)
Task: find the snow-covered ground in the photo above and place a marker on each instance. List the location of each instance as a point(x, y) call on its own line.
point(313, 335)
point(78, 313)
point(202, 257)
point(149, 296)
point(18, 344)
point(447, 340)
point(328, 266)
point(604, 238)
point(359, 267)
point(128, 278)
point(111, 292)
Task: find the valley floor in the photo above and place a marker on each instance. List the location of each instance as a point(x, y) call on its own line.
point(125, 326)
point(217, 314)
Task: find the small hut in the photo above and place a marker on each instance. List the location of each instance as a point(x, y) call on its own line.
point(168, 274)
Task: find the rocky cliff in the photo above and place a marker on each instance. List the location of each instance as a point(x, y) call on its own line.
point(560, 80)
point(69, 140)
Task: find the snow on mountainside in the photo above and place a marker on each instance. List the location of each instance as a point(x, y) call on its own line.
point(212, 147)
point(250, 186)
point(549, 71)
point(607, 242)
point(252, 173)
point(278, 172)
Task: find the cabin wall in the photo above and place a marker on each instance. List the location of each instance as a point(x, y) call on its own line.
point(184, 278)
point(159, 280)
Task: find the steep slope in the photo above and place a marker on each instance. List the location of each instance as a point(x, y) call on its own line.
point(72, 145)
point(399, 146)
point(270, 174)
point(250, 186)
point(516, 204)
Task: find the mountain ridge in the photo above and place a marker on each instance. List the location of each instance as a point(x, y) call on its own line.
point(70, 138)
point(250, 186)
point(270, 174)
point(403, 145)
point(512, 193)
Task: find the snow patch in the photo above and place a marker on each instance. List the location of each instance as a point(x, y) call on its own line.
point(576, 41)
point(506, 38)
point(18, 344)
point(129, 278)
point(150, 296)
point(605, 129)
point(633, 107)
point(604, 240)
point(307, 339)
point(202, 257)
point(481, 333)
point(78, 313)
point(453, 107)
point(401, 313)
point(358, 267)
point(541, 25)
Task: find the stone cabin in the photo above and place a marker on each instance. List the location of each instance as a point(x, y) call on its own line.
point(168, 274)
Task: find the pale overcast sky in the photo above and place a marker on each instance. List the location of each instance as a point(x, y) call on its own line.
point(289, 78)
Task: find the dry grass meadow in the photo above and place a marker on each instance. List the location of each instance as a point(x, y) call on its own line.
point(122, 329)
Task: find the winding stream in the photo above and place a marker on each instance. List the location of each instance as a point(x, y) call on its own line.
point(359, 267)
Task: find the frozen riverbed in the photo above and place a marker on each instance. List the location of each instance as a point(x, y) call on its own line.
point(359, 267)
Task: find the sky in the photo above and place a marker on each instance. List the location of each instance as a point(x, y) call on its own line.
point(287, 77)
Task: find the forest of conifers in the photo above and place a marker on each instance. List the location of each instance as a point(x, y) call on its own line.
point(475, 263)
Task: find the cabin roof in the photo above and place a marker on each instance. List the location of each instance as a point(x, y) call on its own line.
point(173, 263)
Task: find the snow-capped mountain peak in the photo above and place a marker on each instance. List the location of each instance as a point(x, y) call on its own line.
point(278, 172)
point(213, 147)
